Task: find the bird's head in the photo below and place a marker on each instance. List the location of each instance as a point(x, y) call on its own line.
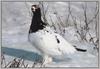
point(35, 8)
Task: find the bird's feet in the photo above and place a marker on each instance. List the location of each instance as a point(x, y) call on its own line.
point(46, 60)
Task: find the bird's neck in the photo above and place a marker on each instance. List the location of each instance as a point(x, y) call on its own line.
point(36, 23)
point(36, 17)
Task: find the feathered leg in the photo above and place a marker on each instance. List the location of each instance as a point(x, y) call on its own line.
point(46, 60)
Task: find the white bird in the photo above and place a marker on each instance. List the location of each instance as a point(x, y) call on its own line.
point(46, 40)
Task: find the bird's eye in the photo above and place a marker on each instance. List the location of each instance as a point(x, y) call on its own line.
point(33, 9)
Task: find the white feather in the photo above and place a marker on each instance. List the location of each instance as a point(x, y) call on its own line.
point(46, 43)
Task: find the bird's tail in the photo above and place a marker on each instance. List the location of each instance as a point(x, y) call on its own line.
point(81, 50)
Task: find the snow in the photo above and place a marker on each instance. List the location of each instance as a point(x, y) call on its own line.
point(15, 25)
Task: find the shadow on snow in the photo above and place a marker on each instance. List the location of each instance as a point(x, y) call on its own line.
point(26, 55)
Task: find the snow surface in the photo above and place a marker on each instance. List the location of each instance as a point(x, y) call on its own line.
point(16, 19)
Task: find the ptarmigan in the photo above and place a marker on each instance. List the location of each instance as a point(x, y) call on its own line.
point(46, 40)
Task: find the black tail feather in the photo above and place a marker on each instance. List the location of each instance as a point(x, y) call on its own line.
point(81, 50)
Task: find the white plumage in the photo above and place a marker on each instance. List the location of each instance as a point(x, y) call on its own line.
point(46, 43)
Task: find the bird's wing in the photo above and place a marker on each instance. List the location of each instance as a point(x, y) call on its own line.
point(57, 44)
point(64, 46)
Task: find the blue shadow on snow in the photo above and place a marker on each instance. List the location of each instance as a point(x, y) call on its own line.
point(26, 55)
